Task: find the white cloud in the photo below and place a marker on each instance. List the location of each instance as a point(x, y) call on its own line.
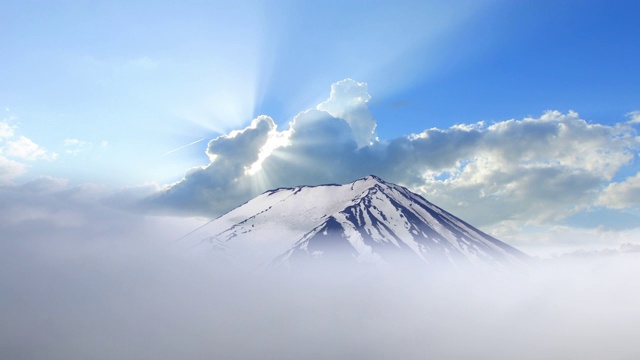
point(348, 101)
point(634, 117)
point(554, 241)
point(530, 170)
point(23, 148)
point(620, 195)
point(15, 149)
point(533, 170)
point(52, 203)
point(6, 130)
point(67, 256)
point(10, 169)
point(75, 146)
point(132, 266)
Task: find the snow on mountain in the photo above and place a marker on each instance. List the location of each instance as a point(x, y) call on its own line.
point(367, 221)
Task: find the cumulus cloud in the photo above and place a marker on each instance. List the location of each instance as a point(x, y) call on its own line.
point(620, 195)
point(222, 183)
point(532, 170)
point(25, 149)
point(348, 101)
point(16, 149)
point(634, 117)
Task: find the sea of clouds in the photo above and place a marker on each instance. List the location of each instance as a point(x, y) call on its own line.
point(111, 285)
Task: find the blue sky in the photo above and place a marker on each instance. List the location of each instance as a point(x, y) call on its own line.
point(108, 93)
point(126, 125)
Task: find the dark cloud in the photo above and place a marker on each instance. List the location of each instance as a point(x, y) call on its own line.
point(222, 183)
point(240, 149)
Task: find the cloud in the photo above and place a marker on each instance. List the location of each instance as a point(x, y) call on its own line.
point(532, 170)
point(43, 203)
point(81, 278)
point(626, 248)
point(24, 148)
point(75, 147)
point(15, 150)
point(10, 169)
point(6, 130)
point(183, 146)
point(634, 117)
point(348, 101)
point(232, 156)
point(50, 209)
point(620, 195)
point(545, 241)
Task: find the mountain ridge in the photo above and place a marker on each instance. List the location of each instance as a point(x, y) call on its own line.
point(369, 220)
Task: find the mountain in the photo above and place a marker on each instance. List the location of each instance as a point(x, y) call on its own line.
point(366, 221)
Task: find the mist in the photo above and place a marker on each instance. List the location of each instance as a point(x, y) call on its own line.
point(121, 286)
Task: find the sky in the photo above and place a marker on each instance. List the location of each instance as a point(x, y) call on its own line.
point(125, 125)
point(521, 117)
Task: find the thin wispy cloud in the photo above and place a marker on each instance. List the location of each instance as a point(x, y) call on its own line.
point(182, 147)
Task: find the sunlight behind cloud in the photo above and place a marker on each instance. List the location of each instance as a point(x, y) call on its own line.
point(225, 87)
point(527, 172)
point(276, 140)
point(416, 38)
point(226, 100)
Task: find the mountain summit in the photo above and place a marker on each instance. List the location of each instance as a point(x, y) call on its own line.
point(366, 221)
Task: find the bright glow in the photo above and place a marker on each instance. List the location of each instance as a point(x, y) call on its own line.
point(276, 140)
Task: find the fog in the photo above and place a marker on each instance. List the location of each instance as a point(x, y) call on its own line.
point(131, 291)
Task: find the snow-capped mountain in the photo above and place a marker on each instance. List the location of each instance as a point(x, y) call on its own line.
point(367, 221)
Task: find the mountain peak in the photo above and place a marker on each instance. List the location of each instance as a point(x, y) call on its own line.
point(368, 220)
point(371, 178)
point(369, 182)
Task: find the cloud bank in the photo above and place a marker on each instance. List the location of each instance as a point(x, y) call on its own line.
point(83, 280)
point(529, 171)
point(117, 290)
